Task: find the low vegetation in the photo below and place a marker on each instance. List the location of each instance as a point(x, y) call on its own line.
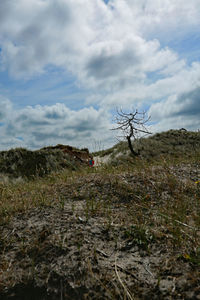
point(129, 229)
point(24, 163)
point(172, 143)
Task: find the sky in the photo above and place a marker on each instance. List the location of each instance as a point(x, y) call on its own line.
point(67, 65)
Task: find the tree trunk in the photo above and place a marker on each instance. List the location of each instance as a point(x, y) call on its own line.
point(131, 147)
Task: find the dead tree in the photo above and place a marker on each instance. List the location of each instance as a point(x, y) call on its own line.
point(132, 125)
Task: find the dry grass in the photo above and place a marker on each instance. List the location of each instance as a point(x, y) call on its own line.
point(170, 144)
point(130, 231)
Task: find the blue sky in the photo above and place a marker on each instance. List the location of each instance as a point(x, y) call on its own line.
point(66, 65)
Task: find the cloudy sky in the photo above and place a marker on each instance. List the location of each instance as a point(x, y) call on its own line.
point(65, 65)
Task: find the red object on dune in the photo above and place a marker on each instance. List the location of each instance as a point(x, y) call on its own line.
point(91, 162)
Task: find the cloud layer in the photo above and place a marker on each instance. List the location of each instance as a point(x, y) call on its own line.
point(117, 51)
point(34, 127)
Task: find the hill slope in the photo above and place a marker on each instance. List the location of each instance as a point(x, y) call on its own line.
point(120, 231)
point(170, 144)
point(25, 163)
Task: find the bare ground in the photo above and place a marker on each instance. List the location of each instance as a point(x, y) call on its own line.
point(108, 237)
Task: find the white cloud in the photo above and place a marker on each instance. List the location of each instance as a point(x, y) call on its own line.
point(35, 127)
point(115, 51)
point(182, 110)
point(36, 33)
point(5, 108)
point(145, 93)
point(169, 16)
point(104, 47)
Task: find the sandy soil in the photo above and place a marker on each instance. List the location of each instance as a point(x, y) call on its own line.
point(85, 247)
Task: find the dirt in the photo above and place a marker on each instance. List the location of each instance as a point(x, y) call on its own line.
point(74, 250)
point(66, 256)
point(82, 155)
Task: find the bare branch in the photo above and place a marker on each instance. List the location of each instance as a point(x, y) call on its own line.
point(131, 124)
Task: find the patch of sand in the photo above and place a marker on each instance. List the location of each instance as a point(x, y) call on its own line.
point(98, 160)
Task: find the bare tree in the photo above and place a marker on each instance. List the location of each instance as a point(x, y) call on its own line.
point(132, 125)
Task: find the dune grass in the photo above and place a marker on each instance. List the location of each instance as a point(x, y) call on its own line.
point(141, 208)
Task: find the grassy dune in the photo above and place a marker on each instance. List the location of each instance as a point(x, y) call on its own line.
point(129, 229)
